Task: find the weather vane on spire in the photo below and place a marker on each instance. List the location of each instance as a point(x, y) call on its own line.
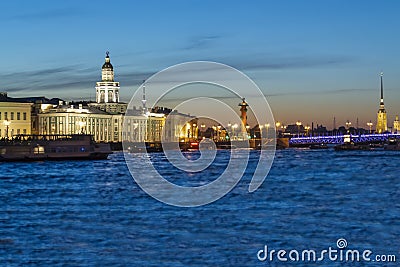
point(107, 53)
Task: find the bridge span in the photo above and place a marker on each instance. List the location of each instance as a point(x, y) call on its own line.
point(339, 139)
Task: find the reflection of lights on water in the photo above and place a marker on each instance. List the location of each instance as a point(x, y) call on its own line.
point(146, 178)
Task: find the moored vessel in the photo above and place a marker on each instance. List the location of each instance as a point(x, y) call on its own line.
point(52, 147)
point(393, 144)
point(348, 144)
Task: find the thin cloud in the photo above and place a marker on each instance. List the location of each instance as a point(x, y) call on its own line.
point(201, 42)
point(322, 92)
point(56, 80)
point(83, 79)
point(47, 71)
point(295, 62)
point(48, 14)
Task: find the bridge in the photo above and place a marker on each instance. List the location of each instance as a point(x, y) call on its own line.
point(339, 139)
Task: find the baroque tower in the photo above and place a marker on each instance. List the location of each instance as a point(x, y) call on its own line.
point(107, 91)
point(381, 121)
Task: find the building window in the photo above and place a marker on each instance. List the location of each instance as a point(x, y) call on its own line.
point(24, 116)
point(24, 131)
point(12, 116)
point(18, 116)
point(6, 116)
point(0, 118)
point(18, 131)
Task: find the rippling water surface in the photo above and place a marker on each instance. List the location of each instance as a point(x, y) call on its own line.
point(92, 213)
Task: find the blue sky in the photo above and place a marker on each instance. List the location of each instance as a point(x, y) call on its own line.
point(313, 59)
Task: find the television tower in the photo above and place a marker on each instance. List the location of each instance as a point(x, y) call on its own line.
point(144, 98)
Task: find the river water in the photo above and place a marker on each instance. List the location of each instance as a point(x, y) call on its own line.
point(92, 213)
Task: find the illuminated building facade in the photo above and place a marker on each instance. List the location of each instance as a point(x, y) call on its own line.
point(381, 121)
point(105, 127)
point(15, 117)
point(107, 91)
point(396, 125)
point(164, 123)
point(103, 119)
point(72, 119)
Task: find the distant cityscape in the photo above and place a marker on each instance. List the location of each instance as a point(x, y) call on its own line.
point(104, 119)
point(380, 126)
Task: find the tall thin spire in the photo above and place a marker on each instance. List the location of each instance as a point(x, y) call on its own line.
point(334, 123)
point(382, 89)
point(144, 97)
point(381, 122)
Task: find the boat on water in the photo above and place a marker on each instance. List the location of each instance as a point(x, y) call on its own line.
point(352, 146)
point(52, 147)
point(318, 146)
point(393, 144)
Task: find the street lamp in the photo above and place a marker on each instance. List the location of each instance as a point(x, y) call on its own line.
point(267, 128)
point(278, 125)
point(214, 132)
point(194, 130)
point(261, 131)
point(307, 128)
point(202, 126)
point(7, 124)
point(298, 123)
point(348, 124)
point(247, 131)
point(219, 132)
point(234, 129)
point(370, 126)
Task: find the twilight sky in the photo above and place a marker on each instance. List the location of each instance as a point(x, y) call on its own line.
point(312, 59)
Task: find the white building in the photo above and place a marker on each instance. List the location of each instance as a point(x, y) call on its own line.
point(104, 119)
point(107, 90)
point(75, 119)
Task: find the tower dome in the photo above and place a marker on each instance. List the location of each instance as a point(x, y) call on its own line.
point(107, 64)
point(107, 71)
point(107, 90)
